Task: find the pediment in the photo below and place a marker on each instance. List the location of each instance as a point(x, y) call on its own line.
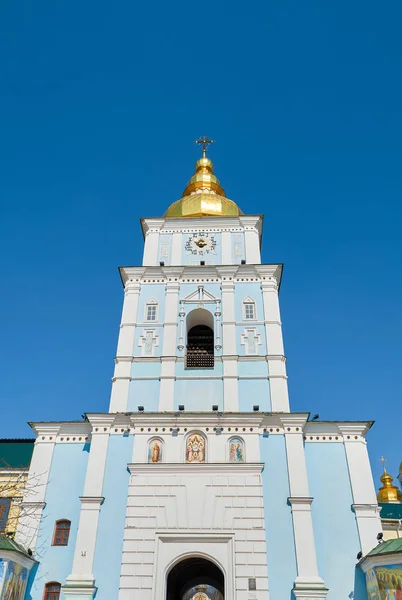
point(200, 295)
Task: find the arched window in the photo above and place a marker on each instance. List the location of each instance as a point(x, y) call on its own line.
point(151, 310)
point(249, 312)
point(52, 591)
point(200, 347)
point(61, 532)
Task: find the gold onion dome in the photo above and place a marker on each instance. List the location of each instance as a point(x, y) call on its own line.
point(388, 492)
point(204, 195)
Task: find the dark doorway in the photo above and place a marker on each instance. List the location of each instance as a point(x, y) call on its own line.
point(195, 573)
point(200, 347)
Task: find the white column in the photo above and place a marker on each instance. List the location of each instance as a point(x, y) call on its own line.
point(276, 360)
point(81, 580)
point(151, 246)
point(308, 583)
point(177, 249)
point(229, 350)
point(361, 479)
point(169, 350)
point(252, 241)
point(226, 248)
point(36, 486)
point(125, 348)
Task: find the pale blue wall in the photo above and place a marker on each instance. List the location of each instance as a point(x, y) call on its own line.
point(148, 292)
point(165, 248)
point(109, 541)
point(157, 291)
point(254, 391)
point(211, 259)
point(139, 331)
point(249, 367)
point(278, 518)
point(241, 348)
point(149, 368)
point(335, 530)
point(199, 395)
point(238, 247)
point(66, 485)
point(144, 393)
point(248, 289)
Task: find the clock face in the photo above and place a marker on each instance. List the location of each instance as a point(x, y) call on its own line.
point(200, 243)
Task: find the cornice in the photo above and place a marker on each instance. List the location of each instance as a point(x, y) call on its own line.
point(194, 468)
point(256, 273)
point(188, 224)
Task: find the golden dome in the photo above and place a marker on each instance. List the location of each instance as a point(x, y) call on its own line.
point(388, 492)
point(203, 196)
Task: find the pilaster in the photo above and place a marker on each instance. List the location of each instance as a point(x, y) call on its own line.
point(308, 583)
point(229, 349)
point(177, 247)
point(81, 581)
point(230, 384)
point(252, 242)
point(151, 248)
point(276, 359)
point(365, 504)
point(35, 490)
point(226, 247)
point(125, 348)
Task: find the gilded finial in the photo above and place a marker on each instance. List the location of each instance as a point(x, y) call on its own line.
point(204, 142)
point(388, 492)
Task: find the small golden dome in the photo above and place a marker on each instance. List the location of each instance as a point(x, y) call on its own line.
point(204, 179)
point(388, 492)
point(204, 195)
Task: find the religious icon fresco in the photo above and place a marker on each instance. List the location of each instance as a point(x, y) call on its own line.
point(13, 580)
point(236, 450)
point(195, 448)
point(202, 592)
point(155, 451)
point(384, 583)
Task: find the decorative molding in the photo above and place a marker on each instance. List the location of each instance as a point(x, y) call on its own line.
point(98, 500)
point(196, 469)
point(300, 501)
point(269, 274)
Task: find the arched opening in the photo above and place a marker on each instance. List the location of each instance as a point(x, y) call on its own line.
point(200, 348)
point(195, 579)
point(200, 339)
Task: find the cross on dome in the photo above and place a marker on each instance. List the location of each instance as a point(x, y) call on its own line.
point(204, 142)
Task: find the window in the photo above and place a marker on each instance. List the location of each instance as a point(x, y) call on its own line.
point(5, 504)
point(249, 310)
point(151, 311)
point(200, 347)
point(61, 533)
point(52, 591)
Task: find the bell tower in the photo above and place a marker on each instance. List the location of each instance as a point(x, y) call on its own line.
point(201, 323)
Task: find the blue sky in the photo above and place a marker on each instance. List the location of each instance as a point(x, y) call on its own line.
point(99, 106)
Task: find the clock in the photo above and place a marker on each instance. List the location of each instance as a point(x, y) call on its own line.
point(200, 243)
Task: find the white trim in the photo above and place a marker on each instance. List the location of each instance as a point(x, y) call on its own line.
point(195, 469)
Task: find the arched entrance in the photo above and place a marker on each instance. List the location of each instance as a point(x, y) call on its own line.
point(195, 578)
